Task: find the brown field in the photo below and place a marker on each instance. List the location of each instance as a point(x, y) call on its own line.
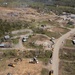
point(27, 14)
point(21, 68)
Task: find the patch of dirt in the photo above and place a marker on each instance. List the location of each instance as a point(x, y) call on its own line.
point(28, 14)
point(23, 68)
point(57, 29)
point(39, 37)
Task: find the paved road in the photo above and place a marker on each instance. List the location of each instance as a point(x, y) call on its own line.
point(55, 64)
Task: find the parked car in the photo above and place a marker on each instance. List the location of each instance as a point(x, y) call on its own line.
point(24, 40)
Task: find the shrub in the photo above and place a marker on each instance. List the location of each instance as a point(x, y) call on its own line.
point(45, 71)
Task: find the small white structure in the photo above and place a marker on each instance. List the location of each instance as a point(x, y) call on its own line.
point(64, 13)
point(2, 45)
point(72, 16)
point(33, 60)
point(25, 39)
point(5, 3)
point(73, 41)
point(6, 37)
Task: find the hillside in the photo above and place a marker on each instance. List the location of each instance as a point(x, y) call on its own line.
point(29, 2)
point(57, 6)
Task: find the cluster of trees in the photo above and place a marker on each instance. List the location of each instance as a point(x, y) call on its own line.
point(43, 5)
point(7, 27)
point(57, 6)
point(65, 2)
point(27, 54)
point(59, 9)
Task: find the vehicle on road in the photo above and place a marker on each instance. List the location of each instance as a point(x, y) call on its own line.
point(51, 72)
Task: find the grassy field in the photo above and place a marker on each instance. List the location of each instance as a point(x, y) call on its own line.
point(44, 71)
point(69, 26)
point(67, 63)
point(3, 65)
point(68, 68)
point(69, 43)
point(15, 41)
point(67, 54)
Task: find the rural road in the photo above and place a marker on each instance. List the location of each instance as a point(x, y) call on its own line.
point(55, 58)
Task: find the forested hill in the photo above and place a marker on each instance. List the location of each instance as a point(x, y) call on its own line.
point(57, 6)
point(58, 2)
point(49, 2)
point(65, 2)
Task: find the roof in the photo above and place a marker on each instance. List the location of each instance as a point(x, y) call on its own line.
point(2, 45)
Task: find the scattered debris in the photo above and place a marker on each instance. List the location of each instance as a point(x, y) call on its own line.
point(18, 59)
point(9, 74)
point(33, 60)
point(11, 65)
point(6, 37)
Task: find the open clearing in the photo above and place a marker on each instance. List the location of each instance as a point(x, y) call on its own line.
point(21, 68)
point(23, 14)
